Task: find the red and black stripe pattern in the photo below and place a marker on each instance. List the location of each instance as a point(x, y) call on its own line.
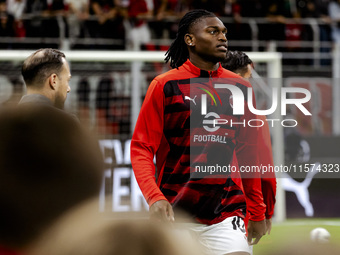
point(166, 125)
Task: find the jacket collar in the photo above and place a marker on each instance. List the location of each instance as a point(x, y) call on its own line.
point(202, 73)
point(35, 98)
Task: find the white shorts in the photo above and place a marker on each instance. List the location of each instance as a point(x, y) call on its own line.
point(222, 238)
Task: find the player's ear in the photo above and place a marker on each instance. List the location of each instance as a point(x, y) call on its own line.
point(52, 80)
point(189, 39)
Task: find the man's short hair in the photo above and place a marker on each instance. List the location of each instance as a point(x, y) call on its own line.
point(40, 65)
point(237, 62)
point(48, 164)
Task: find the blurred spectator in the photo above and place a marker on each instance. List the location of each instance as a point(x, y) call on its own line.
point(48, 164)
point(294, 32)
point(138, 32)
point(104, 95)
point(79, 12)
point(108, 21)
point(83, 98)
point(322, 6)
point(58, 6)
point(163, 10)
point(334, 13)
point(35, 24)
point(325, 28)
point(252, 8)
point(230, 8)
point(6, 25)
point(112, 109)
point(57, 25)
point(312, 8)
point(236, 30)
point(276, 14)
point(138, 21)
point(16, 8)
point(158, 10)
point(215, 6)
point(317, 9)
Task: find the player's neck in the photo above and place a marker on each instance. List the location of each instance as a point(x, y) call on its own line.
point(43, 92)
point(204, 64)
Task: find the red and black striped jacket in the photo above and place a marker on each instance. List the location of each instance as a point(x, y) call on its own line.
point(165, 128)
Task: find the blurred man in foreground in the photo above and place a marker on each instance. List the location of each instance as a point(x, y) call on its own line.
point(48, 164)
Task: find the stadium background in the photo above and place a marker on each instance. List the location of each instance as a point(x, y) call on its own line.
point(101, 91)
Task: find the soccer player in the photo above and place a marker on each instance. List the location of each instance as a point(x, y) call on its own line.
point(239, 63)
point(46, 74)
point(163, 129)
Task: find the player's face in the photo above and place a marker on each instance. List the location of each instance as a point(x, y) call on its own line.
point(210, 41)
point(63, 86)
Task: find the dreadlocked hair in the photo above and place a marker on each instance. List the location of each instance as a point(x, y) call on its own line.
point(178, 52)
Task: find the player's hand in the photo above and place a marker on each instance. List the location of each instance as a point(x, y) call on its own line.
point(268, 226)
point(256, 229)
point(161, 211)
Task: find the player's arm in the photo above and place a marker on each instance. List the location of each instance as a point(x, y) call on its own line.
point(268, 178)
point(269, 192)
point(144, 145)
point(247, 156)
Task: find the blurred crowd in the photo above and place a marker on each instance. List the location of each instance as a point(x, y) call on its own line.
point(132, 23)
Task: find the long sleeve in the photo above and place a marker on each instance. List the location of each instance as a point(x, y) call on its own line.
point(145, 142)
point(269, 193)
point(268, 179)
point(247, 156)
